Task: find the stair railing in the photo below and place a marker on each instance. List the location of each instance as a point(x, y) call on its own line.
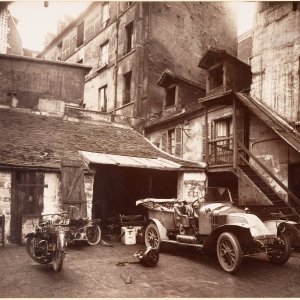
point(259, 163)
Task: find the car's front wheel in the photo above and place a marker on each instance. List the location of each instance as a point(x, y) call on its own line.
point(229, 252)
point(282, 255)
point(152, 238)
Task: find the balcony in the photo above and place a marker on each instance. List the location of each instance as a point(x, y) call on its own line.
point(220, 152)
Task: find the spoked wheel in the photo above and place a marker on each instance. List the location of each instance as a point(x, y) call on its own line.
point(229, 252)
point(93, 235)
point(283, 254)
point(152, 238)
point(57, 258)
point(36, 249)
point(150, 257)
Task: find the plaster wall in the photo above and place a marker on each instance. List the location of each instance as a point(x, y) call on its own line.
point(272, 151)
point(275, 61)
point(5, 200)
point(191, 185)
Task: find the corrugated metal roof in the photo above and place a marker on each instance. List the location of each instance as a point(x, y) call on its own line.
point(129, 161)
point(283, 129)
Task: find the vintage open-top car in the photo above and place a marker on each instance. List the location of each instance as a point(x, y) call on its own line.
point(214, 223)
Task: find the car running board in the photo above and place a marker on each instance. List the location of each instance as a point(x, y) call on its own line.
point(182, 244)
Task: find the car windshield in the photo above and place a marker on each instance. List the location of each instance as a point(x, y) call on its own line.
point(217, 194)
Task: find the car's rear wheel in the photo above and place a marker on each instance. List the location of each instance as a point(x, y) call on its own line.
point(283, 254)
point(152, 238)
point(229, 252)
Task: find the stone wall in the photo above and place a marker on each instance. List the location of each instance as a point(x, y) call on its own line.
point(275, 62)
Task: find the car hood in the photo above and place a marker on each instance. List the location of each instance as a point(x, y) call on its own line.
point(238, 217)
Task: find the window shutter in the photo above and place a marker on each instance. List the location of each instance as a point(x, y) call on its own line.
point(178, 142)
point(164, 141)
point(204, 138)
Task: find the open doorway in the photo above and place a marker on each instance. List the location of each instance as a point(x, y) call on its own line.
point(116, 189)
point(224, 179)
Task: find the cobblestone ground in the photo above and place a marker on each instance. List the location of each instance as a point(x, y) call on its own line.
point(92, 272)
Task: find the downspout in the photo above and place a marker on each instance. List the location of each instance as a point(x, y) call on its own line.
point(116, 58)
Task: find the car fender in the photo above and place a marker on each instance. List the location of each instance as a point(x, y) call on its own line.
point(280, 226)
point(61, 241)
point(242, 233)
point(161, 229)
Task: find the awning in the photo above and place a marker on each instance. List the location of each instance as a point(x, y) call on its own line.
point(129, 161)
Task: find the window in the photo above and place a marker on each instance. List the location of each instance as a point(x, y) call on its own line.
point(171, 141)
point(223, 128)
point(170, 96)
point(103, 54)
point(59, 51)
point(129, 37)
point(80, 34)
point(105, 12)
point(127, 87)
point(102, 99)
point(216, 77)
point(30, 191)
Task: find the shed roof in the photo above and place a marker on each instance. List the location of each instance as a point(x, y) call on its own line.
point(282, 128)
point(168, 77)
point(213, 55)
point(32, 140)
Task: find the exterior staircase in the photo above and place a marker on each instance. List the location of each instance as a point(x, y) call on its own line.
point(280, 207)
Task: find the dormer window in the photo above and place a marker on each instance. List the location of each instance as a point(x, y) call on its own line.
point(216, 77)
point(170, 96)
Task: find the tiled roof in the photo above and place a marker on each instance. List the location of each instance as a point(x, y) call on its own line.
point(28, 139)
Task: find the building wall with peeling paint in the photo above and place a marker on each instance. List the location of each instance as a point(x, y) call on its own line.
point(191, 185)
point(273, 152)
point(276, 62)
point(51, 200)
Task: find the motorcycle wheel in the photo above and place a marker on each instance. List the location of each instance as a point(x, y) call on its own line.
point(57, 258)
point(93, 235)
point(30, 244)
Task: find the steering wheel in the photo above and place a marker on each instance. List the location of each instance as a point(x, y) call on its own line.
point(194, 203)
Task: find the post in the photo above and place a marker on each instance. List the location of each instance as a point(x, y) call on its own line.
point(235, 157)
point(206, 135)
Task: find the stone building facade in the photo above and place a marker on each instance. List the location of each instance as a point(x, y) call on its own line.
point(130, 44)
point(10, 40)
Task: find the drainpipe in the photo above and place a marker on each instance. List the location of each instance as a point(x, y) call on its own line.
point(116, 57)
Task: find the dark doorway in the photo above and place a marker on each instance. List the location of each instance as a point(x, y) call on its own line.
point(116, 189)
point(224, 179)
point(294, 183)
point(27, 193)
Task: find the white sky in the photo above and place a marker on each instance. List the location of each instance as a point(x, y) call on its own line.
point(35, 20)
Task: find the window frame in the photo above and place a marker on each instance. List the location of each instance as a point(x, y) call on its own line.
point(167, 105)
point(127, 77)
point(80, 33)
point(105, 4)
point(103, 63)
point(104, 105)
point(129, 29)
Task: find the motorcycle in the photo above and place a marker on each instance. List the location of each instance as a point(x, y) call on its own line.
point(48, 242)
point(83, 229)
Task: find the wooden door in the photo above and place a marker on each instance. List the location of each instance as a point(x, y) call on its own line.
point(27, 191)
point(73, 192)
